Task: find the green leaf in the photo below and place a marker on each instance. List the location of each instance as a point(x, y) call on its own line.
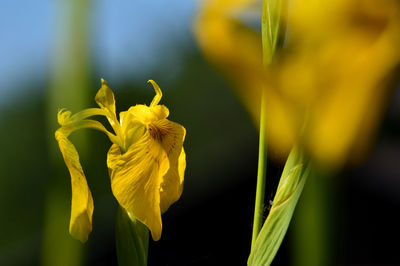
point(270, 27)
point(288, 192)
point(132, 239)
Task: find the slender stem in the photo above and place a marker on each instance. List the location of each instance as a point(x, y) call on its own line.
point(270, 26)
point(262, 145)
point(261, 175)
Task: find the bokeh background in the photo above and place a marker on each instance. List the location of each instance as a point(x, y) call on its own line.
point(53, 54)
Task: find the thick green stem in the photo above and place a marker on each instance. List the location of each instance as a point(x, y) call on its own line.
point(261, 175)
point(313, 221)
point(132, 240)
point(68, 88)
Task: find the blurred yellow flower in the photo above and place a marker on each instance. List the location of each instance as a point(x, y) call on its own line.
point(327, 86)
point(146, 161)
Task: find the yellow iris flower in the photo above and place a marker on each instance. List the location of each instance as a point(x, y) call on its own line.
point(327, 87)
point(146, 161)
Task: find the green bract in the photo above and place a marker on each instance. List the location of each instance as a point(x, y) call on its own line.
point(290, 186)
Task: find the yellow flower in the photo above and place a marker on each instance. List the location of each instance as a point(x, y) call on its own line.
point(327, 87)
point(146, 161)
point(232, 47)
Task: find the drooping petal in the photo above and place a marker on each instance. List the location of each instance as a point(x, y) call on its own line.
point(149, 166)
point(82, 201)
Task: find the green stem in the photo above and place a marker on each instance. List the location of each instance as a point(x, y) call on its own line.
point(270, 27)
point(261, 175)
point(132, 240)
point(313, 221)
point(69, 88)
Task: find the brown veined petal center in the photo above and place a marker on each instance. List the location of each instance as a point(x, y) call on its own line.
point(157, 132)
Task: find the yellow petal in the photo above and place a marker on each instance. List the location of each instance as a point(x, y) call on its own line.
point(134, 121)
point(172, 186)
point(233, 48)
point(135, 182)
point(170, 135)
point(105, 97)
point(82, 201)
point(63, 117)
point(67, 129)
point(330, 76)
point(158, 91)
point(146, 114)
point(152, 164)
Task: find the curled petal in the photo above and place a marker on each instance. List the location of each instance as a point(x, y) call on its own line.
point(82, 202)
point(63, 117)
point(158, 91)
point(146, 179)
